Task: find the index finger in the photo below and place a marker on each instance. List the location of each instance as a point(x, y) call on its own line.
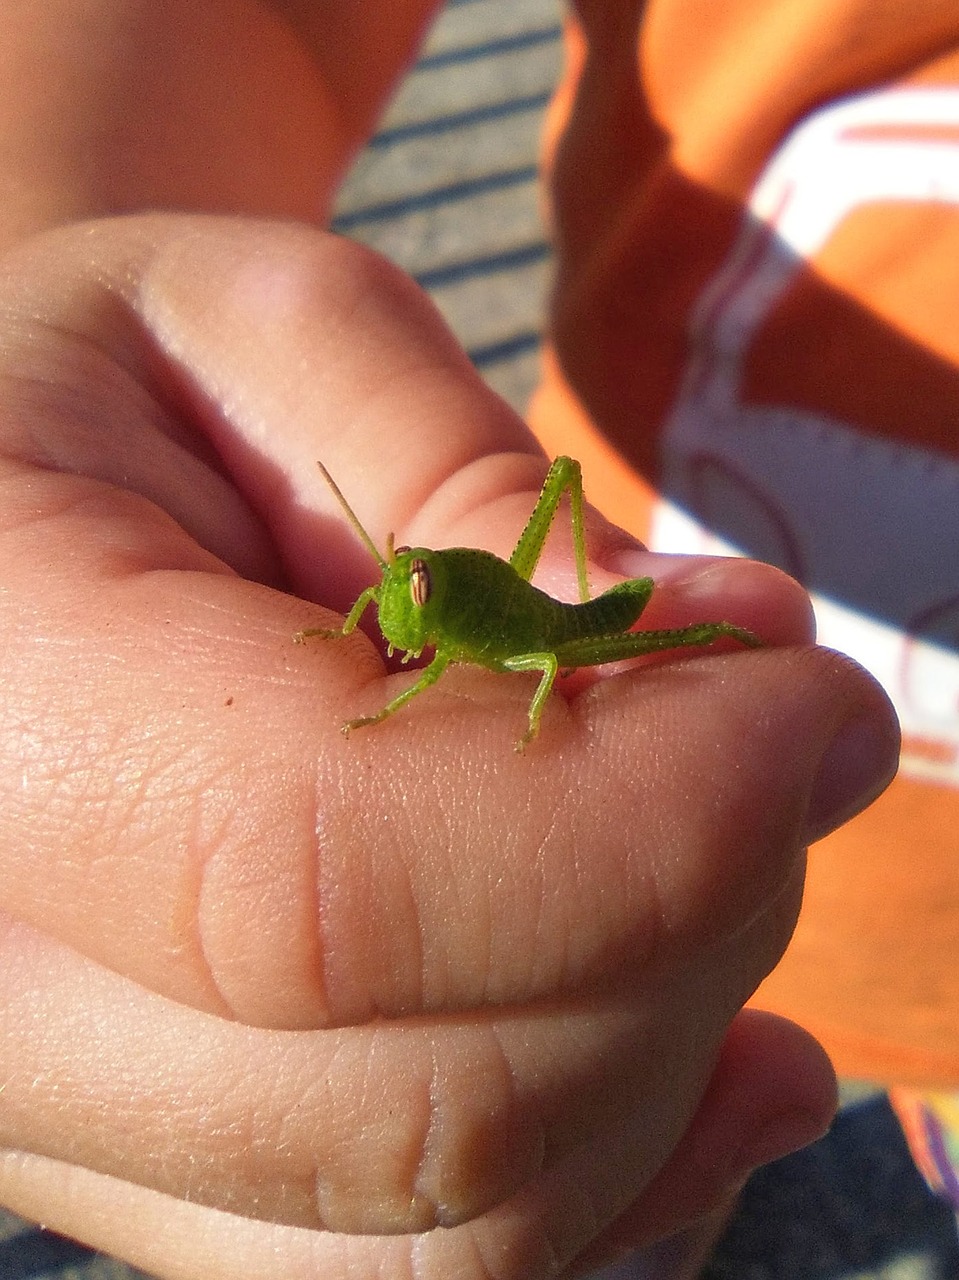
point(180, 807)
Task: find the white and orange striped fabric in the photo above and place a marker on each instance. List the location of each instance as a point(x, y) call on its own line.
point(755, 348)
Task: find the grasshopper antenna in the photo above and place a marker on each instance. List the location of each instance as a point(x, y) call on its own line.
point(354, 521)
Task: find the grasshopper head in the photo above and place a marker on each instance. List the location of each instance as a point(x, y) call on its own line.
point(409, 598)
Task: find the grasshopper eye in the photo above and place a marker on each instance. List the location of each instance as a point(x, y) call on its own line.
point(420, 584)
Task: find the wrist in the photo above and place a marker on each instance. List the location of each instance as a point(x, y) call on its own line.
point(113, 106)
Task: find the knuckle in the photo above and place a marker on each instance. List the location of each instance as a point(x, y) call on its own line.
point(442, 1137)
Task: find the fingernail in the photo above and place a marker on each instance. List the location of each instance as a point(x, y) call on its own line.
point(639, 563)
point(857, 766)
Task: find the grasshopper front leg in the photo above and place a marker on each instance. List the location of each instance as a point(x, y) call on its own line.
point(351, 623)
point(429, 676)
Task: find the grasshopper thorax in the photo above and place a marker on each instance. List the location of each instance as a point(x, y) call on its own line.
point(409, 597)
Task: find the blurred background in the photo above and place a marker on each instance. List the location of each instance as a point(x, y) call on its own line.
point(448, 186)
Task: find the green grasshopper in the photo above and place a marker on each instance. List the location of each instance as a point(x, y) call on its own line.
point(471, 606)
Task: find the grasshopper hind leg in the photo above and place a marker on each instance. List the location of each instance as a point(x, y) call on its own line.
point(597, 650)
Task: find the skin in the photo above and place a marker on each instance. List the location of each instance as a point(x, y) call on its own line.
point(276, 1003)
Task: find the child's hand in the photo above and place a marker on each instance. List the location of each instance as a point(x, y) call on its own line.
point(277, 1003)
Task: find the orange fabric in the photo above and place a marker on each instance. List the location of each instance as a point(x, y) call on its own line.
point(666, 124)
